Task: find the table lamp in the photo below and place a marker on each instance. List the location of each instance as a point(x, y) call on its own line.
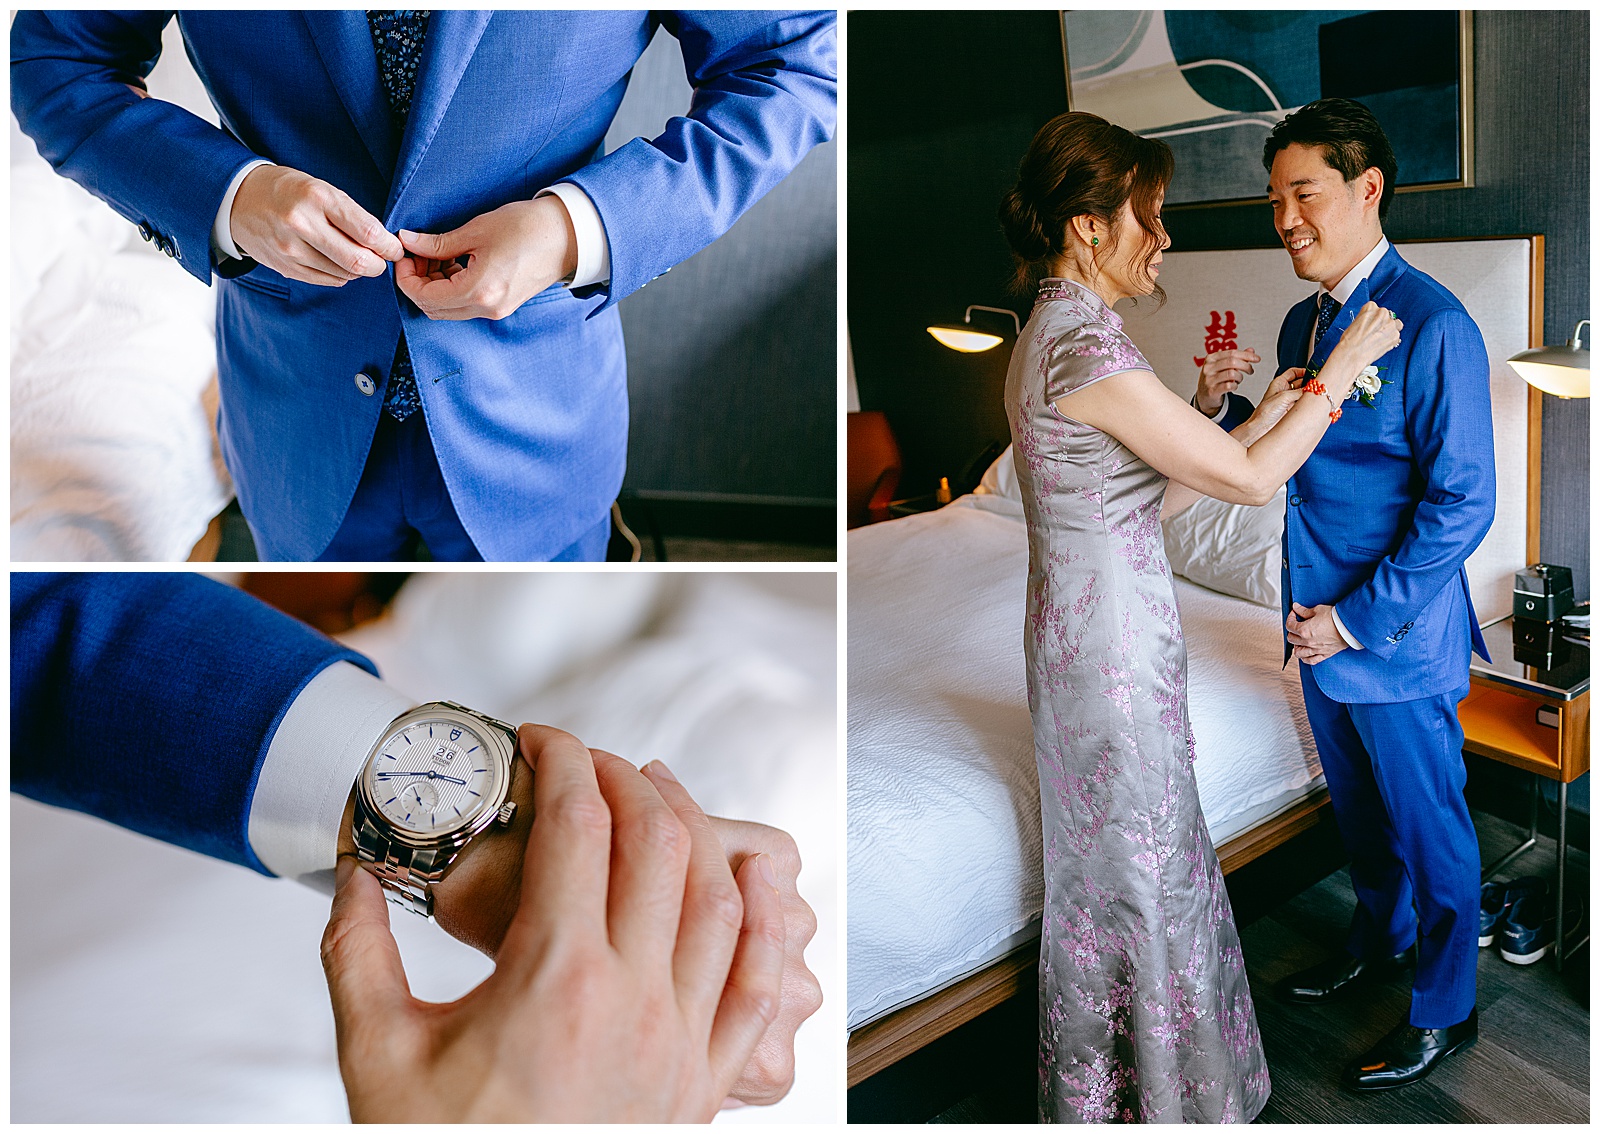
point(965, 339)
point(1562, 371)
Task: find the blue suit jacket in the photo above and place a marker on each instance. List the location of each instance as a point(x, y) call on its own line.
point(1382, 516)
point(149, 700)
point(528, 414)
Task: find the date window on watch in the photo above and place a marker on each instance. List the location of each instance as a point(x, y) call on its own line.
point(444, 754)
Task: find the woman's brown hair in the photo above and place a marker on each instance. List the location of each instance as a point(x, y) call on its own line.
point(1081, 165)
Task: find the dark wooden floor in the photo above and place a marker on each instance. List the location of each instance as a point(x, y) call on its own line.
point(1531, 1063)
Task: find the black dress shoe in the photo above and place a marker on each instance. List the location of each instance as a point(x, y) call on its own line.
point(1408, 1054)
point(1338, 975)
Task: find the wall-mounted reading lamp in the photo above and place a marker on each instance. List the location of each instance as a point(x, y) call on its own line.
point(968, 341)
point(1562, 371)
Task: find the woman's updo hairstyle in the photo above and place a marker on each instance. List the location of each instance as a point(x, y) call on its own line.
point(1081, 165)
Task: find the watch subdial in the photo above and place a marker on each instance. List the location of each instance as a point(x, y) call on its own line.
point(420, 797)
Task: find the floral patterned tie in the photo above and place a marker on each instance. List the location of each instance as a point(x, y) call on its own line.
point(398, 38)
point(1327, 308)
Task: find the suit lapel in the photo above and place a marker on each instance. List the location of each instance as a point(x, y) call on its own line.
point(1346, 316)
point(1388, 271)
point(1384, 273)
point(453, 36)
point(345, 44)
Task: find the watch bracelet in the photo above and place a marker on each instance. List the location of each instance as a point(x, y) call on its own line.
point(408, 874)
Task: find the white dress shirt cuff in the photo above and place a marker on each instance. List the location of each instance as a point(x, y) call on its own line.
point(311, 764)
point(222, 244)
point(1338, 624)
point(1221, 410)
point(594, 254)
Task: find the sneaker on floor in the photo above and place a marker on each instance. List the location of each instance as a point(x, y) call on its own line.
point(1495, 900)
point(1529, 931)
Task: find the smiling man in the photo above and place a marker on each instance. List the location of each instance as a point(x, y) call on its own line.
point(1380, 521)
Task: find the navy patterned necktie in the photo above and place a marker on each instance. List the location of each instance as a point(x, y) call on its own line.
point(397, 37)
point(1327, 308)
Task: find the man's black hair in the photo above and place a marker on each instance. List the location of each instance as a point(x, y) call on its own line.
point(1349, 137)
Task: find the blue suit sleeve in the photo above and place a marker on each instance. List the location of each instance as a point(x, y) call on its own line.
point(1449, 427)
point(149, 700)
point(1238, 412)
point(77, 83)
point(765, 92)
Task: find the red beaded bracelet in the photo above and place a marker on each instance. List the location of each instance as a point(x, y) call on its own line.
point(1315, 386)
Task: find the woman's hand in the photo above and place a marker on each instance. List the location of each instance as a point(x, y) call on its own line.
point(1373, 333)
point(1282, 393)
point(633, 984)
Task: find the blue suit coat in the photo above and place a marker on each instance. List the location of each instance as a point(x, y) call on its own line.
point(150, 700)
point(1382, 516)
point(528, 414)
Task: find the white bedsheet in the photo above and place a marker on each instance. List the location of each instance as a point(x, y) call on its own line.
point(944, 841)
point(151, 984)
point(114, 454)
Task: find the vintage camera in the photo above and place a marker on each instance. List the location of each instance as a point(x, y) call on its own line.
point(1542, 592)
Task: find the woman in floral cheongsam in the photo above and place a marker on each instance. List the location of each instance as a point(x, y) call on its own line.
point(1145, 1012)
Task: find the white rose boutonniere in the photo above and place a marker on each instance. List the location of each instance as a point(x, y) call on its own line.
point(1368, 386)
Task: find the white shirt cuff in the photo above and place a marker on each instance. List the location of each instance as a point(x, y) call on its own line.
point(1222, 409)
point(311, 764)
point(594, 254)
point(222, 244)
point(1349, 638)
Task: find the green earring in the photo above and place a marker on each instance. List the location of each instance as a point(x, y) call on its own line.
point(1094, 241)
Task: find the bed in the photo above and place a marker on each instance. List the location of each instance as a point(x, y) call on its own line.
point(943, 835)
point(151, 984)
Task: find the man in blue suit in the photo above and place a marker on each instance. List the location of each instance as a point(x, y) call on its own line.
point(474, 394)
point(188, 711)
point(1379, 525)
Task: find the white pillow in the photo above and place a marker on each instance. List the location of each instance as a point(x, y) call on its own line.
point(1232, 548)
point(1000, 479)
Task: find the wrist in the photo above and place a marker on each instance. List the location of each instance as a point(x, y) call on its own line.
point(475, 901)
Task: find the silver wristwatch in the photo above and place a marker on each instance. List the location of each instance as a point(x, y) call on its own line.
point(437, 777)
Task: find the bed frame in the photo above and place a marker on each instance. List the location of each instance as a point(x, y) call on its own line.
point(885, 1041)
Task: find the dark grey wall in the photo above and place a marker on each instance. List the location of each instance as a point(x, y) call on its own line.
point(731, 356)
point(942, 106)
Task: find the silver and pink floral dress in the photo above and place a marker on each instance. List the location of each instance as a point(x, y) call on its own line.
point(1144, 1008)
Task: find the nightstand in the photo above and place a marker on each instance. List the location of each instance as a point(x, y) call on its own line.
point(1537, 719)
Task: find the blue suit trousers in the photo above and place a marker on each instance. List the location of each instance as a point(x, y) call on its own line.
point(1396, 781)
point(402, 496)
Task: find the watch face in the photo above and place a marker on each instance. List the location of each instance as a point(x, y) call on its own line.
point(433, 777)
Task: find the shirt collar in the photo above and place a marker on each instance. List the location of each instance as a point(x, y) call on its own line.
point(1352, 279)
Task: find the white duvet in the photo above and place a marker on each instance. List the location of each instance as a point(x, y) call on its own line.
point(114, 454)
point(944, 843)
point(151, 984)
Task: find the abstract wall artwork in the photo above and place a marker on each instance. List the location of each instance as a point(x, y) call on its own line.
point(1213, 84)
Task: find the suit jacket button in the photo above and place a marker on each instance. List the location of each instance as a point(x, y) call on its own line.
point(1295, 500)
point(1285, 562)
point(144, 230)
point(365, 384)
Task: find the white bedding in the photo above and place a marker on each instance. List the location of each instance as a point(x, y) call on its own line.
point(150, 984)
point(943, 809)
point(114, 454)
